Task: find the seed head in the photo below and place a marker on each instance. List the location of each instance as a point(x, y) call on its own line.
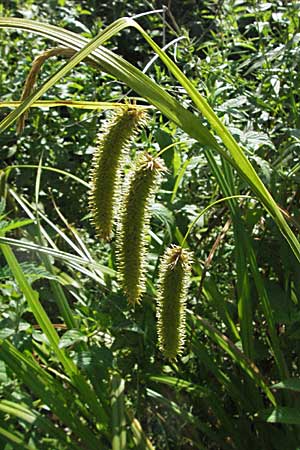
point(107, 166)
point(133, 225)
point(174, 279)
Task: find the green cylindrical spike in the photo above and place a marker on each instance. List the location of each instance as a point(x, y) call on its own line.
point(134, 224)
point(173, 282)
point(107, 165)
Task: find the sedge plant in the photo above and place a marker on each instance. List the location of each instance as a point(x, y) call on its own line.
point(97, 427)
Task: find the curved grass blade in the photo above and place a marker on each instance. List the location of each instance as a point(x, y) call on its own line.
point(245, 252)
point(17, 441)
point(51, 169)
point(234, 391)
point(154, 94)
point(43, 320)
point(180, 384)
point(198, 425)
point(227, 138)
point(96, 274)
point(122, 70)
point(56, 287)
point(34, 418)
point(208, 397)
point(111, 63)
point(47, 388)
point(67, 257)
point(237, 356)
point(68, 103)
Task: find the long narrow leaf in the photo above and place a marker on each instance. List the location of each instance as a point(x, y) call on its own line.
point(155, 95)
point(111, 63)
point(50, 391)
point(237, 356)
point(36, 419)
point(118, 413)
point(67, 257)
point(68, 103)
point(18, 442)
point(51, 169)
point(243, 164)
point(44, 322)
point(56, 288)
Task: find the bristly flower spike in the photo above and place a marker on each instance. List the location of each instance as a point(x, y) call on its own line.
point(132, 237)
point(173, 282)
point(107, 166)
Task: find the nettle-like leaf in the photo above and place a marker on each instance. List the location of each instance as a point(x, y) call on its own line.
point(32, 272)
point(133, 225)
point(107, 164)
point(173, 283)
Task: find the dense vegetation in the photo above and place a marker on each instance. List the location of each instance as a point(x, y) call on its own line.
point(80, 367)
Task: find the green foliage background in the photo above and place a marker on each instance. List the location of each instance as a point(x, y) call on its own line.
point(244, 58)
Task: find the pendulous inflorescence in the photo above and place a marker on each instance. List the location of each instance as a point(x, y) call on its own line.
point(174, 279)
point(107, 165)
point(133, 225)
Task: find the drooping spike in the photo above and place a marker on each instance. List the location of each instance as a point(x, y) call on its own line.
point(107, 165)
point(174, 279)
point(133, 225)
